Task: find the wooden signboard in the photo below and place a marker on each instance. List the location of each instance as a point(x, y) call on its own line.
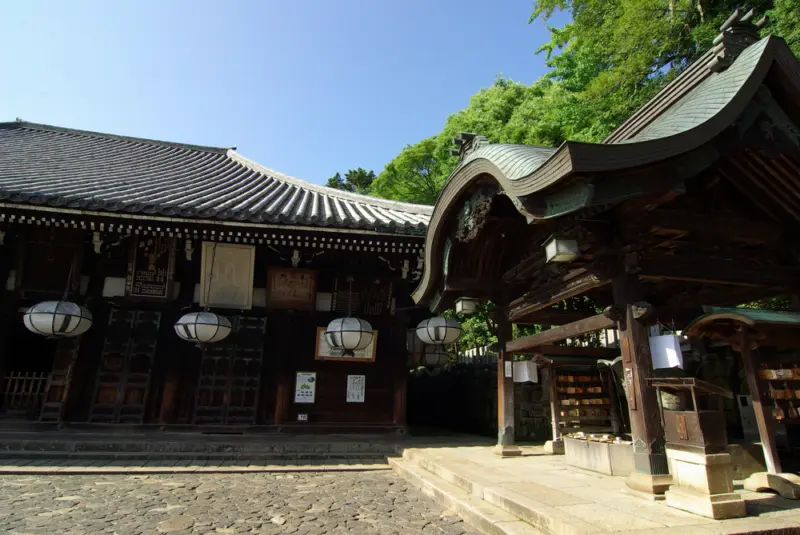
point(291, 288)
point(325, 352)
point(226, 278)
point(151, 267)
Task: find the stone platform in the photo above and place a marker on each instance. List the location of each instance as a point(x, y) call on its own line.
point(213, 448)
point(540, 494)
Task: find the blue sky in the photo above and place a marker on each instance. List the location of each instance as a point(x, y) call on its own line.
point(307, 87)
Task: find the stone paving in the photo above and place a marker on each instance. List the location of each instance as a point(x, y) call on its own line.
point(200, 503)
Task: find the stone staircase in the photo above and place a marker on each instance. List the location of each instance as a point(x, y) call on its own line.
point(529, 501)
point(468, 496)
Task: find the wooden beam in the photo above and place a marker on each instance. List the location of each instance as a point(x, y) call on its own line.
point(576, 328)
point(764, 420)
point(506, 441)
point(680, 221)
point(550, 316)
point(554, 293)
point(655, 266)
point(574, 351)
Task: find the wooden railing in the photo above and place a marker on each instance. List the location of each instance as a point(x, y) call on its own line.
point(23, 393)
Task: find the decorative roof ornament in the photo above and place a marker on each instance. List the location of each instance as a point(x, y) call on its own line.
point(737, 33)
point(466, 143)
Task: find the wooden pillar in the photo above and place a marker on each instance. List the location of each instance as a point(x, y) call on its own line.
point(506, 446)
point(764, 420)
point(651, 471)
point(555, 409)
point(176, 351)
point(400, 388)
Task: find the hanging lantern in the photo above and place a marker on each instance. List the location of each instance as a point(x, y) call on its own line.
point(348, 334)
point(203, 327)
point(439, 330)
point(58, 319)
point(435, 356)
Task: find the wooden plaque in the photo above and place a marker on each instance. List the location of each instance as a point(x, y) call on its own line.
point(226, 278)
point(325, 352)
point(292, 288)
point(151, 267)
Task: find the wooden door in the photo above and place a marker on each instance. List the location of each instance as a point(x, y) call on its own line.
point(123, 380)
point(230, 375)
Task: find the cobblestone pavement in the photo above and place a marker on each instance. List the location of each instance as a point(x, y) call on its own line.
point(307, 503)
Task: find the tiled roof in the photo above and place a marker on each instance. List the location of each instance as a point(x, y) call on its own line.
point(60, 167)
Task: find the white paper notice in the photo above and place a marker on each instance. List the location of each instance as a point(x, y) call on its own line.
point(666, 351)
point(526, 371)
point(356, 387)
point(509, 368)
point(305, 387)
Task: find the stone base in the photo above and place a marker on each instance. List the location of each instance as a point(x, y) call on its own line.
point(504, 450)
point(554, 447)
point(787, 485)
point(649, 483)
point(716, 506)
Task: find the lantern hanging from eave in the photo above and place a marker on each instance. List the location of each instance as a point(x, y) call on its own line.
point(439, 330)
point(349, 334)
point(58, 319)
point(203, 327)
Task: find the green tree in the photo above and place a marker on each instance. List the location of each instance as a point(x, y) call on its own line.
point(355, 180)
point(415, 175)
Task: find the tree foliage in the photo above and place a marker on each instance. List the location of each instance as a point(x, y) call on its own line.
point(355, 180)
point(606, 62)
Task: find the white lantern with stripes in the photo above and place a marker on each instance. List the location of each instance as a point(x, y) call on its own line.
point(58, 319)
point(439, 330)
point(203, 327)
point(348, 334)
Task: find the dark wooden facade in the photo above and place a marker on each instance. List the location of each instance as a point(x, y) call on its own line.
point(131, 367)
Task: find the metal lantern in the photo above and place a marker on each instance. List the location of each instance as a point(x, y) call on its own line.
point(439, 330)
point(466, 305)
point(58, 319)
point(561, 249)
point(434, 356)
point(203, 327)
point(348, 334)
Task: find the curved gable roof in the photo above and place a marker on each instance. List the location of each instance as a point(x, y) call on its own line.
point(46, 165)
point(688, 113)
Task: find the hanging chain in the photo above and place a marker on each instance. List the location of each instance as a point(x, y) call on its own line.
point(207, 289)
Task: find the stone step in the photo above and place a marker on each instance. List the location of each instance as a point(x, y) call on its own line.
point(198, 456)
point(524, 501)
point(476, 512)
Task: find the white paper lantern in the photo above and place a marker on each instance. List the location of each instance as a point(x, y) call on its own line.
point(348, 334)
point(58, 319)
point(439, 330)
point(434, 356)
point(203, 327)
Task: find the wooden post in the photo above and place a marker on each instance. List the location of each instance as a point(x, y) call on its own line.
point(764, 421)
point(554, 406)
point(506, 446)
point(651, 471)
point(399, 416)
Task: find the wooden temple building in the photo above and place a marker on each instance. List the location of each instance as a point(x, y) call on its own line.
point(140, 232)
point(694, 200)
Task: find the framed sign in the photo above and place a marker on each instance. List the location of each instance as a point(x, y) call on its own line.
point(151, 267)
point(226, 277)
point(305, 387)
point(325, 352)
point(291, 288)
point(356, 388)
